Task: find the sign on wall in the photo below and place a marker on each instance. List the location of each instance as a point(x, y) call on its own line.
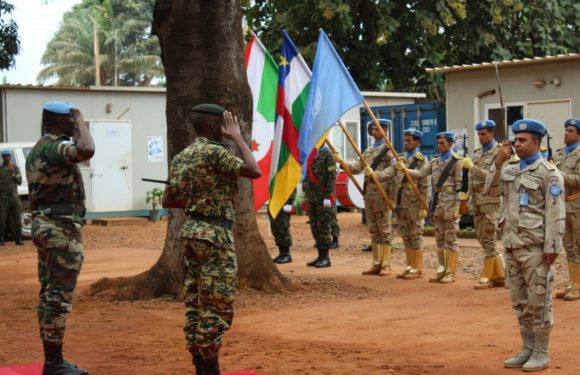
point(155, 149)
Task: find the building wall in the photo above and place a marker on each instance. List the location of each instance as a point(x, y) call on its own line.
point(465, 108)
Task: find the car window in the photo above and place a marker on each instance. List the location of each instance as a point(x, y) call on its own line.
point(26, 151)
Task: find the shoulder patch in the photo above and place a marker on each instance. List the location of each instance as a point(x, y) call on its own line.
point(555, 190)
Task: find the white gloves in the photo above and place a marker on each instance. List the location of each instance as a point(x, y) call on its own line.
point(326, 203)
point(288, 208)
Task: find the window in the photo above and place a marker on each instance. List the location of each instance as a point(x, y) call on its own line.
point(342, 144)
point(513, 113)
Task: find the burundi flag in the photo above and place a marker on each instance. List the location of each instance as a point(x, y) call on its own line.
point(332, 93)
point(262, 72)
point(293, 86)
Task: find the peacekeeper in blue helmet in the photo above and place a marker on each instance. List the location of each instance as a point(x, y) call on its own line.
point(532, 225)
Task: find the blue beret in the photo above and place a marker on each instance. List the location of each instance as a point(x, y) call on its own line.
point(528, 125)
point(384, 122)
point(448, 135)
point(572, 122)
point(413, 132)
point(210, 109)
point(58, 107)
point(6, 152)
point(485, 124)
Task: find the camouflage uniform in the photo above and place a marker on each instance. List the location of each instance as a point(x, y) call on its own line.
point(485, 215)
point(569, 166)
point(280, 226)
point(10, 206)
point(57, 199)
point(378, 214)
point(334, 228)
point(204, 177)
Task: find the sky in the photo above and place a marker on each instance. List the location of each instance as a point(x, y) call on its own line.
point(37, 23)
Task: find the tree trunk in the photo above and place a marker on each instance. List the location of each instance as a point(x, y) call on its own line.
point(202, 52)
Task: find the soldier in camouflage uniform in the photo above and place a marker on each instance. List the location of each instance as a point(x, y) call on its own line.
point(410, 213)
point(378, 214)
point(280, 227)
point(57, 202)
point(203, 180)
point(445, 204)
point(10, 206)
point(567, 160)
point(485, 208)
point(319, 185)
point(532, 227)
point(334, 228)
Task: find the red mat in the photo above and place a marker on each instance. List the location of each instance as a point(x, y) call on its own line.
point(37, 370)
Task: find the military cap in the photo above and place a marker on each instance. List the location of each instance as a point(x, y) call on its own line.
point(414, 132)
point(528, 125)
point(572, 122)
point(210, 109)
point(6, 152)
point(58, 107)
point(448, 135)
point(485, 124)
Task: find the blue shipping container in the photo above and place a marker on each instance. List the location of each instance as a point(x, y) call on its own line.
point(426, 117)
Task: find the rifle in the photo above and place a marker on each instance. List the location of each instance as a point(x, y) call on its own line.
point(155, 181)
point(549, 147)
point(464, 180)
point(549, 277)
point(503, 113)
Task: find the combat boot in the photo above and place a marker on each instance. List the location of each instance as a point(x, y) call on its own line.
point(528, 339)
point(451, 268)
point(54, 364)
point(440, 266)
point(376, 265)
point(540, 358)
point(574, 292)
point(417, 270)
point(499, 271)
point(367, 249)
point(486, 282)
point(334, 243)
point(409, 257)
point(324, 259)
point(284, 256)
point(386, 254)
point(197, 361)
point(313, 262)
point(211, 366)
point(572, 277)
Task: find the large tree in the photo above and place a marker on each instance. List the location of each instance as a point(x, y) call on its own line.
point(9, 42)
point(202, 52)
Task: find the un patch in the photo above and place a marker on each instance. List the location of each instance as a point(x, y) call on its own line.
point(555, 190)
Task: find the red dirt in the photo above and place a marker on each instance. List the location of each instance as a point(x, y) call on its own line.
point(334, 322)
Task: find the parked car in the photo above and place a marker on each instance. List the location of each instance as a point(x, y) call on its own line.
point(20, 151)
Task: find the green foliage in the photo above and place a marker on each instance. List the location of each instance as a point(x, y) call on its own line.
point(154, 197)
point(9, 42)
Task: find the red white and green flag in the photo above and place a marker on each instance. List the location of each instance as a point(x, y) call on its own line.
point(293, 87)
point(262, 72)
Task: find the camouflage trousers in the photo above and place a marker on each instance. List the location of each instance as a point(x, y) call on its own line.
point(10, 216)
point(571, 239)
point(526, 279)
point(410, 227)
point(334, 228)
point(280, 227)
point(485, 219)
point(446, 228)
point(379, 219)
point(320, 219)
point(60, 258)
point(209, 292)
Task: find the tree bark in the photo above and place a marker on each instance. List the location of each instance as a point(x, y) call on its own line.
point(202, 52)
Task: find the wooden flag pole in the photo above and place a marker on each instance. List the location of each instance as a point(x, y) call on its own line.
point(386, 198)
point(345, 167)
point(405, 171)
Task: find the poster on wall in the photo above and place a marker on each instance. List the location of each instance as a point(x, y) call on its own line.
point(155, 148)
point(459, 140)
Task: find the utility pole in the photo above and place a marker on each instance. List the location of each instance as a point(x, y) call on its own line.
point(96, 48)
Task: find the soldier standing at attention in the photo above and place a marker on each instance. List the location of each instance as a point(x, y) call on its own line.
point(378, 214)
point(485, 208)
point(203, 180)
point(10, 206)
point(410, 213)
point(532, 228)
point(567, 160)
point(446, 173)
point(280, 227)
point(57, 202)
point(319, 186)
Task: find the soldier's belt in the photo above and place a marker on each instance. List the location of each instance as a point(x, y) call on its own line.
point(445, 189)
point(215, 220)
point(62, 209)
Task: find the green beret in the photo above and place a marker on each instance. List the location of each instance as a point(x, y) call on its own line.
point(210, 109)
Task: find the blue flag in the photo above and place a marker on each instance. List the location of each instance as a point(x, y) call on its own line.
point(332, 93)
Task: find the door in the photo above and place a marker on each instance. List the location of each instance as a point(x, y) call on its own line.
point(111, 177)
point(553, 114)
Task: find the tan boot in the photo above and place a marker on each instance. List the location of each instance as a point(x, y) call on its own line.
point(387, 252)
point(499, 271)
point(417, 271)
point(451, 268)
point(409, 257)
point(572, 277)
point(441, 262)
point(376, 266)
point(485, 281)
point(574, 293)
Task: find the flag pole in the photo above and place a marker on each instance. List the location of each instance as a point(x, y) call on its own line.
point(345, 167)
point(405, 171)
point(386, 198)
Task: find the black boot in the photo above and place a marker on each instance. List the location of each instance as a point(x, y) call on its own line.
point(334, 243)
point(197, 361)
point(368, 248)
point(211, 366)
point(313, 262)
point(284, 256)
point(54, 364)
point(18, 240)
point(324, 260)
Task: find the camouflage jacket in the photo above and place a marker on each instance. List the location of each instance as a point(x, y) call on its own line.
point(321, 175)
point(9, 181)
point(204, 177)
point(55, 184)
point(482, 164)
point(408, 197)
point(569, 167)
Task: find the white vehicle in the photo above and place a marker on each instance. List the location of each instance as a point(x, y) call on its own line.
point(20, 151)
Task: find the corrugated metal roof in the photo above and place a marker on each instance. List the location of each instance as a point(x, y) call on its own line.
point(506, 63)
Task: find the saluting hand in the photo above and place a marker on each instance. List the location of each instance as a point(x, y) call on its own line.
point(503, 154)
point(231, 126)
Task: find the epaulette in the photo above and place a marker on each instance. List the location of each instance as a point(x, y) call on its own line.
point(514, 159)
point(436, 156)
point(561, 149)
point(455, 156)
point(543, 148)
point(402, 154)
point(477, 149)
point(419, 156)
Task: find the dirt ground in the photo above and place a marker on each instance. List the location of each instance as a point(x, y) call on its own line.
point(334, 322)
